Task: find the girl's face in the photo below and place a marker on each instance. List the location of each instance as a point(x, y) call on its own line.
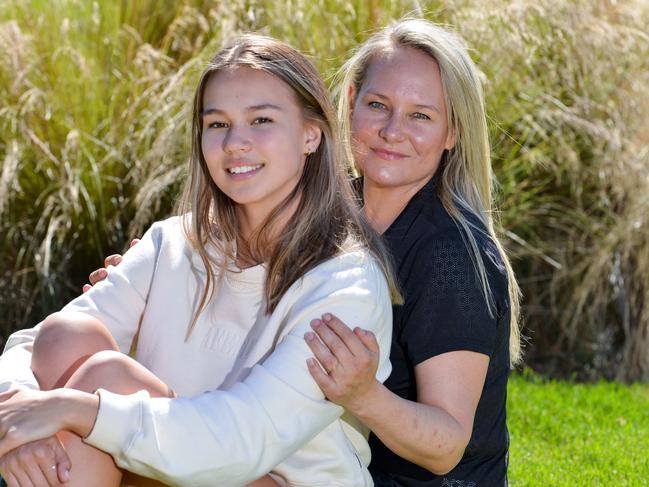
point(254, 138)
point(398, 120)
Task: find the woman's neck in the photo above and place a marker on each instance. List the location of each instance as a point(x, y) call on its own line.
point(382, 205)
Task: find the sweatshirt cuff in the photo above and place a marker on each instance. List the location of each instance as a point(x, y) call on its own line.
point(119, 419)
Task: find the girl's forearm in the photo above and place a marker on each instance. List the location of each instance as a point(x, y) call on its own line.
point(79, 410)
point(423, 434)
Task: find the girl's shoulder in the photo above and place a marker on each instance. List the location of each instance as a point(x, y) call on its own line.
point(353, 270)
point(170, 230)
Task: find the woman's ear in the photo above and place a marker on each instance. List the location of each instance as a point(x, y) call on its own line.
point(351, 97)
point(450, 139)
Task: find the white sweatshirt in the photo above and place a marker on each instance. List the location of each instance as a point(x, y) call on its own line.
point(249, 404)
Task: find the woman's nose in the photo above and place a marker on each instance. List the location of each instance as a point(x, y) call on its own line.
point(392, 130)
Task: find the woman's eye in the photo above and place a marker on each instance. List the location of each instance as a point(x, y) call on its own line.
point(260, 120)
point(420, 116)
point(376, 104)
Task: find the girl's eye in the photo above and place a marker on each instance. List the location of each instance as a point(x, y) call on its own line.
point(376, 105)
point(420, 116)
point(260, 120)
point(217, 125)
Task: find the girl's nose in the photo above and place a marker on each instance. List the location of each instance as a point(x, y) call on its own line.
point(236, 140)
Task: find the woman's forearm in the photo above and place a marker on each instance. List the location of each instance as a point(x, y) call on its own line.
point(420, 433)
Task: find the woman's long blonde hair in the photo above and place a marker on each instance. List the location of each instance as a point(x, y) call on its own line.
point(466, 177)
point(327, 220)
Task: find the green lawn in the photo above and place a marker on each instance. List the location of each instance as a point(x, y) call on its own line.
point(577, 434)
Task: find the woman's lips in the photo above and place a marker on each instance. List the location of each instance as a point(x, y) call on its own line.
point(388, 155)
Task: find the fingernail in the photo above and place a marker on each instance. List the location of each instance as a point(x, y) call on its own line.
point(315, 323)
point(326, 317)
point(102, 273)
point(65, 475)
point(309, 335)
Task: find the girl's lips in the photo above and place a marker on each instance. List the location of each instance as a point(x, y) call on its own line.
point(244, 168)
point(243, 171)
point(387, 154)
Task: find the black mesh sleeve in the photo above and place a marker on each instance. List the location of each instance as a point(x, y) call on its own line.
point(447, 310)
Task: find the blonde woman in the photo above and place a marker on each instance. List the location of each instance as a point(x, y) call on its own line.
point(219, 299)
point(413, 102)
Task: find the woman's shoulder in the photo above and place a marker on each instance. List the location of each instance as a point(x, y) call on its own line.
point(444, 232)
point(444, 253)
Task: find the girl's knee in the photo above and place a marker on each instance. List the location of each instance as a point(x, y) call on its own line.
point(73, 330)
point(119, 373)
point(63, 343)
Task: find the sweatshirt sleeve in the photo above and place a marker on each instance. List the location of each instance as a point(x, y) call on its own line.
point(118, 302)
point(233, 436)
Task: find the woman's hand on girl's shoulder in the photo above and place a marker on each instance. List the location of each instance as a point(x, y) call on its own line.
point(100, 274)
point(345, 362)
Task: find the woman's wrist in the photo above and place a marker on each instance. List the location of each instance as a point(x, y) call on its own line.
point(79, 410)
point(368, 403)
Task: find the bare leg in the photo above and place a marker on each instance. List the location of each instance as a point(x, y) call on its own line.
point(265, 481)
point(117, 373)
point(64, 342)
point(76, 350)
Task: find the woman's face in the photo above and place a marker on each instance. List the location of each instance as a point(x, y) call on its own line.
point(254, 137)
point(398, 119)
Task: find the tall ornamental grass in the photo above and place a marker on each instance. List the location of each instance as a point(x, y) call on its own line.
point(94, 131)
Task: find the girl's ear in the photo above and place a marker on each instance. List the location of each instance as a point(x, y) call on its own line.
point(313, 135)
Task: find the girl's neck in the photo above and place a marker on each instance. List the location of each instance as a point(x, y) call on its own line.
point(382, 205)
point(257, 236)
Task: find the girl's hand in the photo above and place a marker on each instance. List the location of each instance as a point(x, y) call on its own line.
point(29, 415)
point(349, 359)
point(39, 463)
point(101, 273)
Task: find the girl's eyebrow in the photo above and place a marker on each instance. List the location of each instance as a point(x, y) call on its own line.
point(252, 108)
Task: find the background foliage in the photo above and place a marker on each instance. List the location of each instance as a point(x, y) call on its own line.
point(94, 104)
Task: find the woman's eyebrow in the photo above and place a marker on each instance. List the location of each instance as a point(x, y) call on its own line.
point(419, 105)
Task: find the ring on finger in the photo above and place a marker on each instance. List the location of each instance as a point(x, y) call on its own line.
point(333, 367)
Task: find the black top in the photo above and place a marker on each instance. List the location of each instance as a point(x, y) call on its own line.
point(445, 310)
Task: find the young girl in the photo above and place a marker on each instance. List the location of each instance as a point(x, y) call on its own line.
point(218, 300)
